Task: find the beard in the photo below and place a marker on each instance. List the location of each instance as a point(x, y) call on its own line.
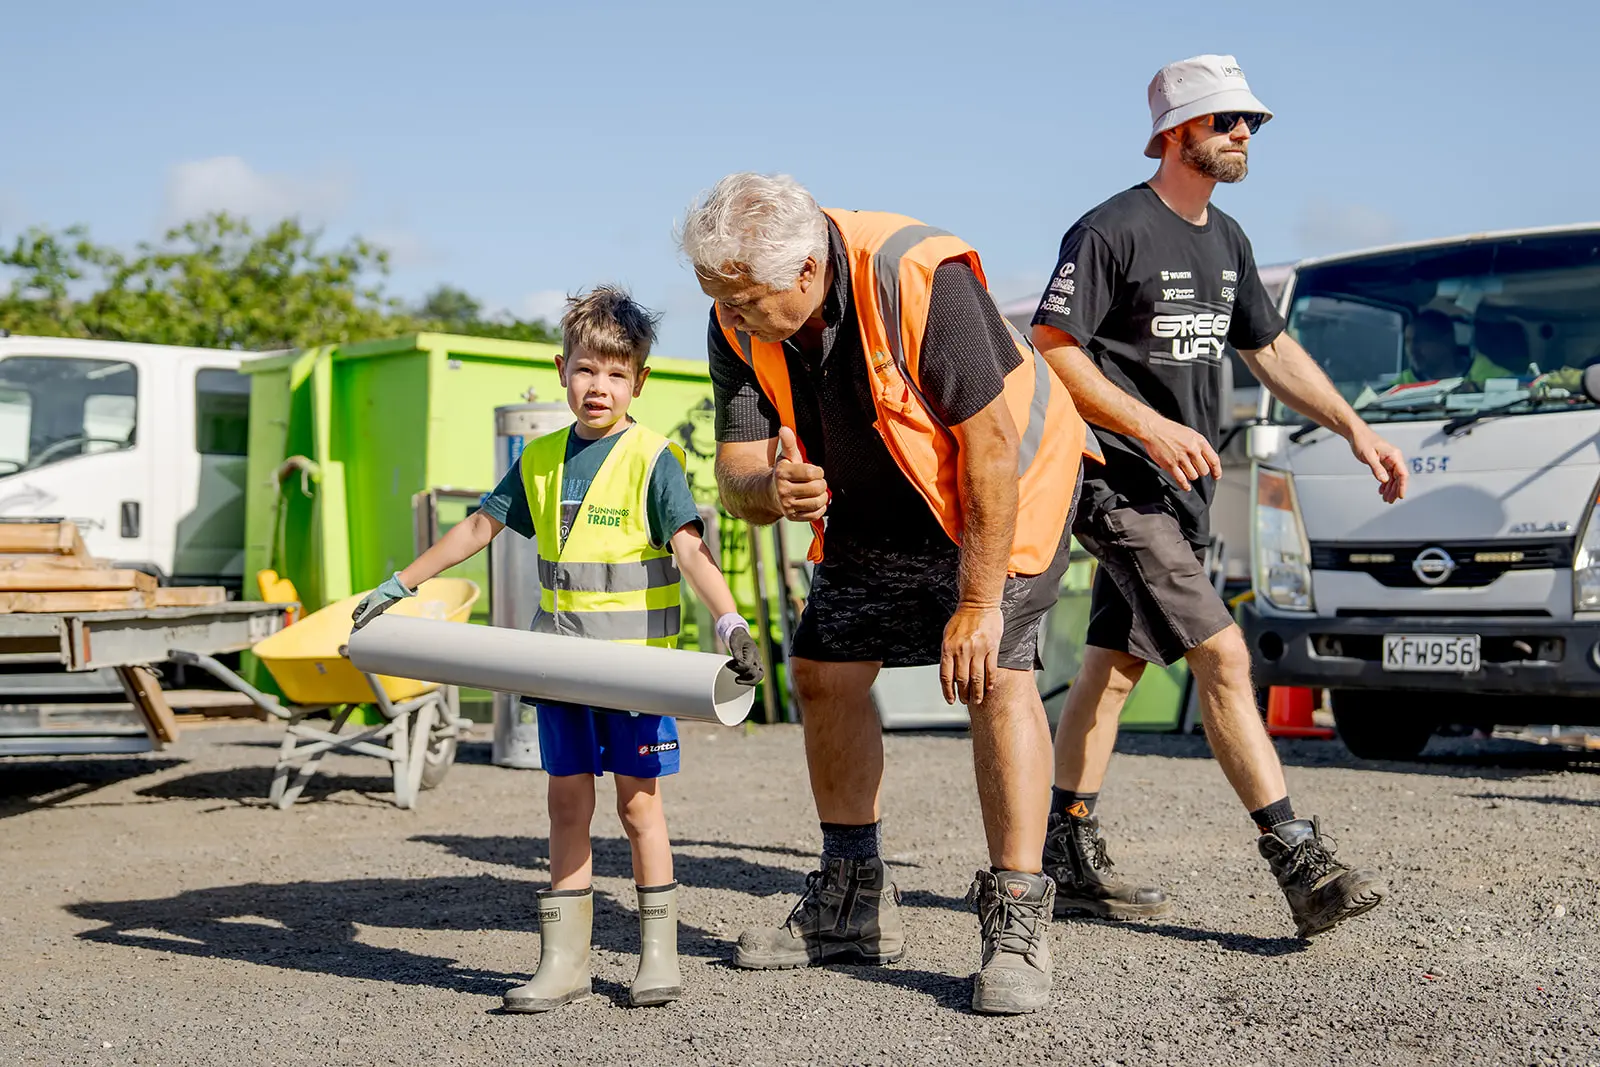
point(1215, 163)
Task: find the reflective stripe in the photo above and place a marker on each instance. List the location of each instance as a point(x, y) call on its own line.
point(886, 267)
point(610, 625)
point(609, 577)
point(1034, 434)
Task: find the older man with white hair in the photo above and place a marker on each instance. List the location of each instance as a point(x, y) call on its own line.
point(866, 383)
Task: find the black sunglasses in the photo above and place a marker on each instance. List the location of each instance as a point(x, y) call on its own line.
point(1225, 121)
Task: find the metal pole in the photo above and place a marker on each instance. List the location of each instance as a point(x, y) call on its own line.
point(769, 703)
point(786, 620)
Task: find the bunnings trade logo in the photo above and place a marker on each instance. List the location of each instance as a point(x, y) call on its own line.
point(607, 516)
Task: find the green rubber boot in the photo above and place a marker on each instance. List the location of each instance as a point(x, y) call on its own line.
point(658, 981)
point(566, 923)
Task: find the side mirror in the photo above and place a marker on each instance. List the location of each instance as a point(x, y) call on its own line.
point(1263, 442)
point(1591, 382)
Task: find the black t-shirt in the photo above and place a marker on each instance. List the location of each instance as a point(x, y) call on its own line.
point(966, 354)
point(1153, 299)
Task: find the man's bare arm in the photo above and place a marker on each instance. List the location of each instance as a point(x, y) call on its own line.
point(1290, 374)
point(1184, 453)
point(744, 478)
point(986, 478)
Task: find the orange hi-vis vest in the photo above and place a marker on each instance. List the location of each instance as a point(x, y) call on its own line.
point(892, 259)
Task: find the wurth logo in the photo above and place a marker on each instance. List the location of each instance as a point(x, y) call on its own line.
point(1193, 337)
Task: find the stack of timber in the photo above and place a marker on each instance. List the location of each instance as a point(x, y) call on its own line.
point(44, 567)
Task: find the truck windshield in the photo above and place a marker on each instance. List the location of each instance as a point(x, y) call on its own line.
point(1451, 329)
point(53, 408)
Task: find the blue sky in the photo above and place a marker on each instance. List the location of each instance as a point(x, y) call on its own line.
point(521, 150)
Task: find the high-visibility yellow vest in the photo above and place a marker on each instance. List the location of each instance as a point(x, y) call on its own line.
point(606, 580)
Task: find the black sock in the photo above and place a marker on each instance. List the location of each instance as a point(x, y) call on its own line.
point(1271, 815)
point(846, 842)
point(1066, 802)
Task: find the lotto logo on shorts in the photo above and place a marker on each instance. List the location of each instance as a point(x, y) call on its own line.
point(652, 750)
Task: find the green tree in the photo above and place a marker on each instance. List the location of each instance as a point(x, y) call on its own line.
point(216, 282)
point(452, 310)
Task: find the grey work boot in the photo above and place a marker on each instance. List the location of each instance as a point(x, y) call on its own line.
point(566, 922)
point(1014, 916)
point(658, 981)
point(1322, 892)
point(1075, 859)
point(849, 913)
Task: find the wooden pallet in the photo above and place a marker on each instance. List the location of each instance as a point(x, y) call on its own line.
point(45, 568)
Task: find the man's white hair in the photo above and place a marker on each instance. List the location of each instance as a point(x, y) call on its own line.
point(760, 226)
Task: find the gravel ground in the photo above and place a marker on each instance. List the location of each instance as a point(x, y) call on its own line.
point(158, 912)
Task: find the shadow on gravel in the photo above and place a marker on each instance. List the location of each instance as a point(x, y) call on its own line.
point(1544, 798)
point(28, 785)
point(614, 859)
point(312, 926)
point(1497, 758)
point(252, 783)
point(1249, 944)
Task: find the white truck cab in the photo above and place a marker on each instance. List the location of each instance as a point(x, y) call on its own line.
point(1476, 599)
point(142, 446)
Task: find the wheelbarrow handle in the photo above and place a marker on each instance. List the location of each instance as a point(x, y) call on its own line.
point(228, 678)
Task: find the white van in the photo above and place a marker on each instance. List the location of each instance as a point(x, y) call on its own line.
point(1476, 600)
point(142, 446)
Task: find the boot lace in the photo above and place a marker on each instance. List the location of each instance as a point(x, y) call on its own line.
point(1008, 925)
point(808, 901)
point(1312, 858)
point(1094, 847)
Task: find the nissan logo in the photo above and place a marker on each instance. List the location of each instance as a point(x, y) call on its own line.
point(1433, 566)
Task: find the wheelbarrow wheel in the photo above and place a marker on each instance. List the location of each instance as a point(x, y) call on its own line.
point(436, 761)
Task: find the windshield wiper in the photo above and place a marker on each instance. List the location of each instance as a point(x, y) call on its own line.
point(1461, 422)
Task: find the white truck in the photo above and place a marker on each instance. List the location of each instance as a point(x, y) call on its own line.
point(142, 446)
point(1476, 599)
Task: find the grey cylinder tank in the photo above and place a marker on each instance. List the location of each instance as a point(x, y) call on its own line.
point(514, 577)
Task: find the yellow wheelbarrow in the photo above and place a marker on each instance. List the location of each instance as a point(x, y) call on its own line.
point(418, 722)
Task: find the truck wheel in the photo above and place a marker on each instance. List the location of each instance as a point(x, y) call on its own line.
point(1380, 725)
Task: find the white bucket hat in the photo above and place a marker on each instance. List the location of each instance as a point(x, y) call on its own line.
point(1193, 87)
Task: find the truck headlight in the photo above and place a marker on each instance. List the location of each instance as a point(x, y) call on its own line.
point(1586, 566)
point(1282, 555)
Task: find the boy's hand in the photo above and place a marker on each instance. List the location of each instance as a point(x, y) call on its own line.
point(800, 488)
point(746, 657)
point(375, 603)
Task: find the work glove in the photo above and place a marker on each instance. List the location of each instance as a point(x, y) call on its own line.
point(734, 632)
point(746, 657)
point(375, 603)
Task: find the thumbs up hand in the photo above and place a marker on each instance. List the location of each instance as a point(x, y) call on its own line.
point(801, 490)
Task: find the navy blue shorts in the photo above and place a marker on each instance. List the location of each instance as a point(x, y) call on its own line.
point(575, 739)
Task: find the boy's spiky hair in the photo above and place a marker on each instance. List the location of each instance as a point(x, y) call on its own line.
point(607, 322)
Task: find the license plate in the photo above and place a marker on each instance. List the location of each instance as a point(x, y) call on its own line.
point(1442, 653)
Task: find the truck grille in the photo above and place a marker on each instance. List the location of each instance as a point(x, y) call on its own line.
point(1469, 563)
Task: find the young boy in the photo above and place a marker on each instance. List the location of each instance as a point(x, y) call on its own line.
point(609, 503)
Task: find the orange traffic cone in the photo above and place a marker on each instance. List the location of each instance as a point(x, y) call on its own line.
point(1289, 713)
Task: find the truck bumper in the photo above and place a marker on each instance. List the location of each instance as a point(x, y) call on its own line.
point(1529, 656)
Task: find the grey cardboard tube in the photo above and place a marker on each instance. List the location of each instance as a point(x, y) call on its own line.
point(603, 674)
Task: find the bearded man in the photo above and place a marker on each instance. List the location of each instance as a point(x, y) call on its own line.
point(1148, 289)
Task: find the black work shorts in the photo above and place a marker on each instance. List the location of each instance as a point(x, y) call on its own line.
point(1151, 597)
point(889, 605)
